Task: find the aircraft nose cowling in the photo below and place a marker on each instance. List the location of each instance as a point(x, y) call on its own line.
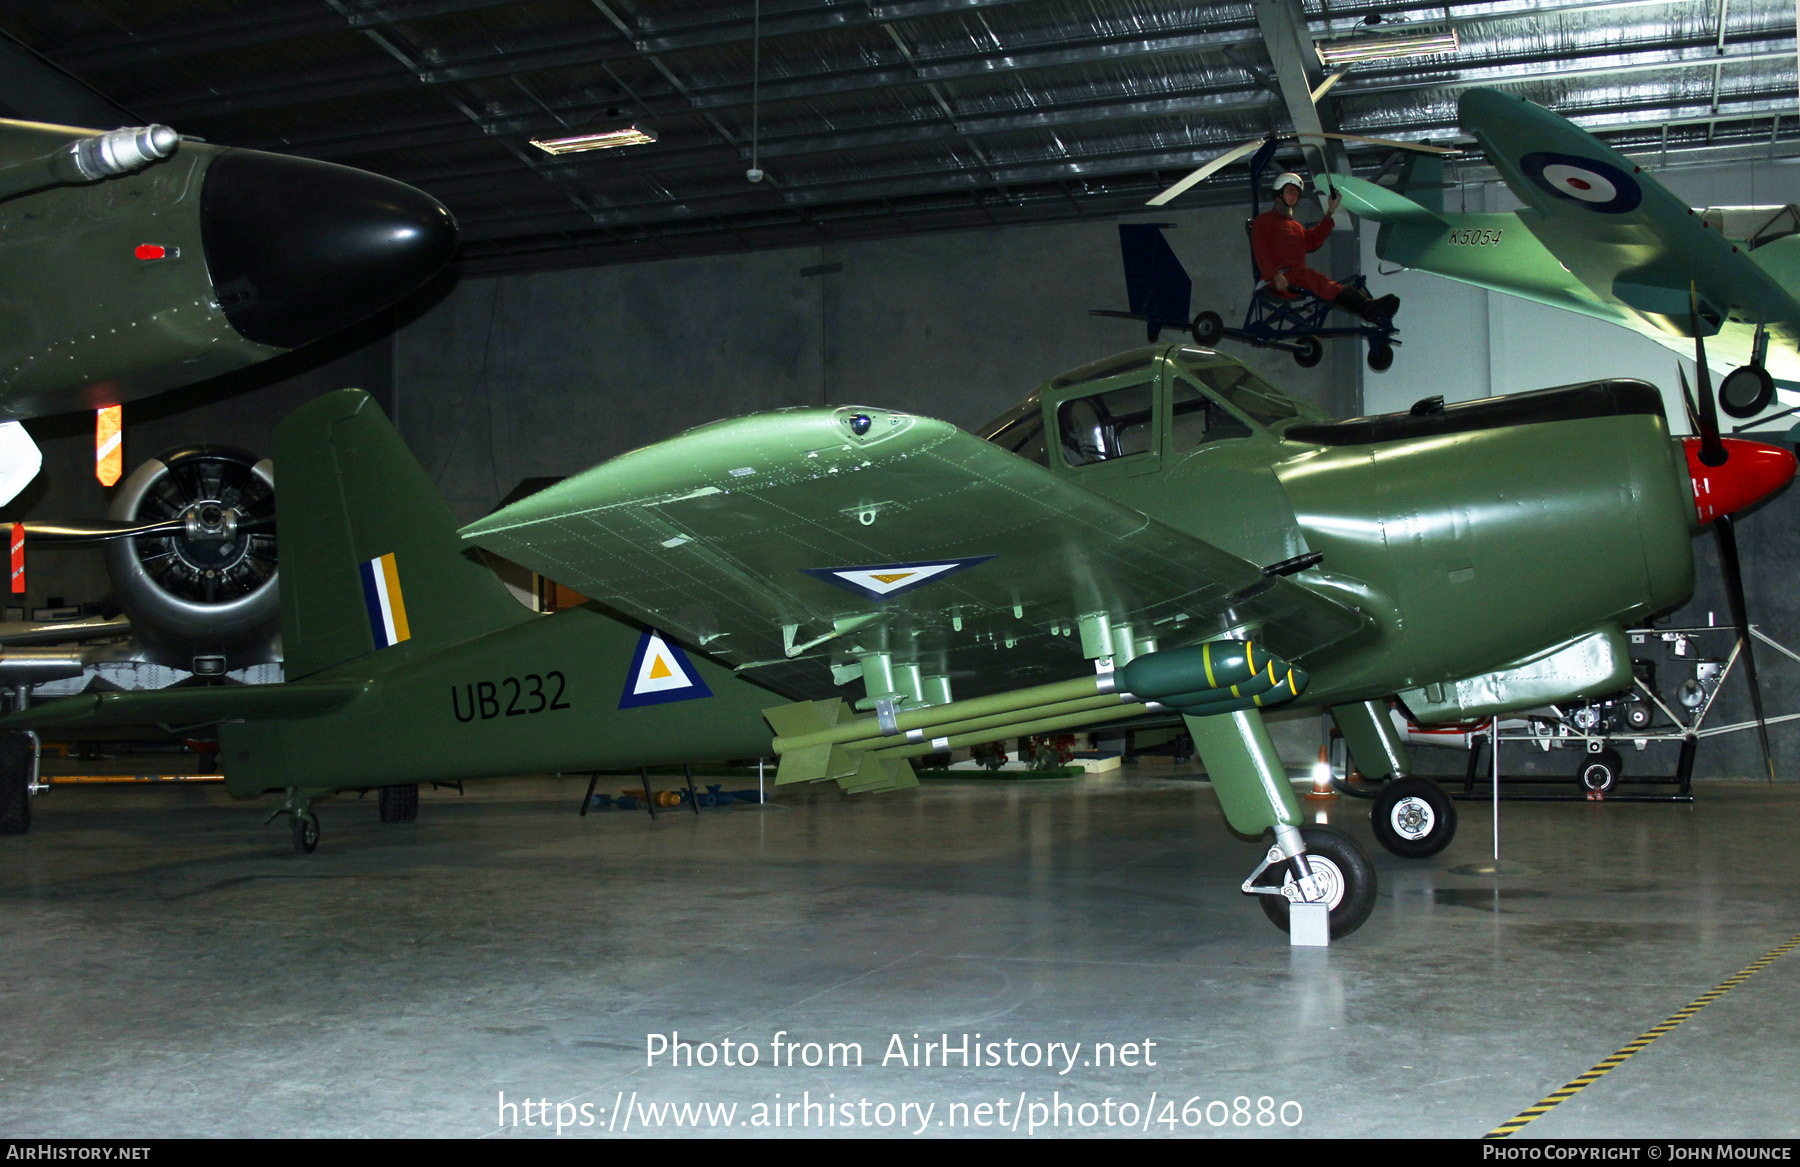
point(298, 249)
point(1752, 472)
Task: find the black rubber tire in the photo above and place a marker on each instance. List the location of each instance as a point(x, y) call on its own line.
point(1600, 772)
point(1413, 818)
point(1342, 856)
point(399, 804)
point(1746, 391)
point(1639, 715)
point(1208, 330)
point(15, 783)
point(1381, 357)
point(306, 833)
point(1309, 353)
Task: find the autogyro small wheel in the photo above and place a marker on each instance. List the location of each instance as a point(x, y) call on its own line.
point(1349, 880)
point(1600, 772)
point(1309, 352)
point(1381, 357)
point(1208, 329)
point(1413, 818)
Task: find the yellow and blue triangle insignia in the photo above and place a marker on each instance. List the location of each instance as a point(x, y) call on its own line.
point(884, 581)
point(660, 672)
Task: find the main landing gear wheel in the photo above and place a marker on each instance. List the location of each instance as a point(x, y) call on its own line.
point(306, 833)
point(1308, 352)
point(1381, 357)
point(1208, 329)
point(1413, 818)
point(15, 783)
point(1349, 878)
point(1600, 772)
point(399, 804)
point(1746, 391)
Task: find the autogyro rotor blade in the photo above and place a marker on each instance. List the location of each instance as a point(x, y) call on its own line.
point(1206, 171)
point(1734, 594)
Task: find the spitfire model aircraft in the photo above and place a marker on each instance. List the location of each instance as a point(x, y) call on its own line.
point(1159, 530)
point(1602, 237)
point(136, 261)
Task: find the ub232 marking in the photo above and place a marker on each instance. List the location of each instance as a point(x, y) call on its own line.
point(512, 697)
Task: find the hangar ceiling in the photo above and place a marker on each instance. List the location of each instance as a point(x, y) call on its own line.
point(875, 119)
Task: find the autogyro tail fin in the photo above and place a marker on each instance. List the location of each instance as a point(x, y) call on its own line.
point(1156, 285)
point(370, 558)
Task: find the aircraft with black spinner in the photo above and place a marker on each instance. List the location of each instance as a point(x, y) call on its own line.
point(1160, 530)
point(135, 260)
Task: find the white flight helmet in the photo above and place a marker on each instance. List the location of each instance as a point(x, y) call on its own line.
point(1289, 178)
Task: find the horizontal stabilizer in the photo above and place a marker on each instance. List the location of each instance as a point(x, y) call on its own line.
point(185, 706)
point(1368, 200)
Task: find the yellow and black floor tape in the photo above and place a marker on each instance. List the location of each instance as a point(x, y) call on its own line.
point(1617, 1058)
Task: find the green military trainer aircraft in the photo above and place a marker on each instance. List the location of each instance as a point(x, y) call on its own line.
point(1159, 530)
point(1602, 237)
point(136, 261)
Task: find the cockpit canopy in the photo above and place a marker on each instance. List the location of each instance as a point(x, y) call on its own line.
point(1107, 410)
point(1753, 226)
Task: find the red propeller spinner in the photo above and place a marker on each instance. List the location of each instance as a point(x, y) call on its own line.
point(1751, 472)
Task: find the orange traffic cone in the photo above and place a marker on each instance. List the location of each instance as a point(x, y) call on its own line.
point(1322, 790)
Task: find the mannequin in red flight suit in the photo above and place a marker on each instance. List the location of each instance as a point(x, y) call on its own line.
point(1280, 246)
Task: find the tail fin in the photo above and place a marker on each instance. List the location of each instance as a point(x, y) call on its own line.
point(1156, 285)
point(370, 558)
point(1422, 178)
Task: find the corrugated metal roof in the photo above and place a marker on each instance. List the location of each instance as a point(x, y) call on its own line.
point(869, 117)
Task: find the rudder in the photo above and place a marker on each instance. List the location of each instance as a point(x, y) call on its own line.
point(370, 558)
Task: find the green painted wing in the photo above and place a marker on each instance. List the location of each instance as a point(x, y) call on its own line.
point(1614, 226)
point(729, 538)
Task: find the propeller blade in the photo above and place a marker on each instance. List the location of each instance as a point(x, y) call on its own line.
point(1734, 593)
point(1205, 172)
point(1712, 451)
point(1687, 399)
point(51, 532)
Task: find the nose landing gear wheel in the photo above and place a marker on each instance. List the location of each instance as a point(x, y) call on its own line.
point(1381, 357)
point(1349, 878)
point(1413, 818)
point(1310, 352)
point(306, 833)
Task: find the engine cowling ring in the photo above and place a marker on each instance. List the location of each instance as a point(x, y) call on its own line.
point(212, 591)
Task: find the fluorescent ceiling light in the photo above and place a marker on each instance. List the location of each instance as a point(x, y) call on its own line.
point(630, 134)
point(1386, 47)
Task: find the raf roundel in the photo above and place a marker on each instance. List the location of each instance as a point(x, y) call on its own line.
point(1597, 185)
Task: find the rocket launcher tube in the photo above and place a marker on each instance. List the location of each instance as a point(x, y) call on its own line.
point(1285, 686)
point(1197, 674)
point(932, 716)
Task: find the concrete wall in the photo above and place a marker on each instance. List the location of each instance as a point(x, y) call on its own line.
point(515, 377)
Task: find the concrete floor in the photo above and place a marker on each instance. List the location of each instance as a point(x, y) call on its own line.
point(171, 967)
